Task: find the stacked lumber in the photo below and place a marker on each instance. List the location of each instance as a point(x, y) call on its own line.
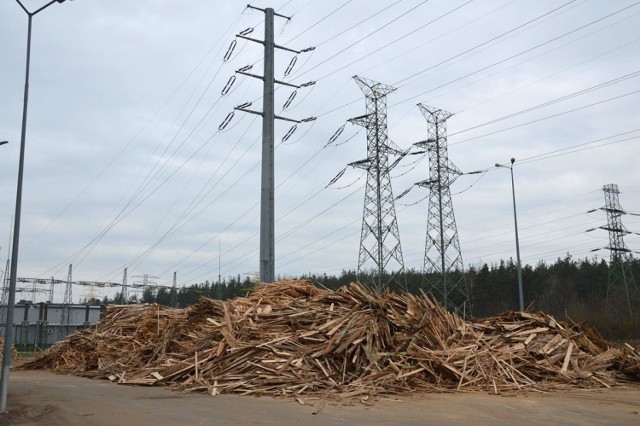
point(293, 339)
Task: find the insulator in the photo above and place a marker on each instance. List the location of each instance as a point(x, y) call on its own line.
point(226, 121)
point(292, 96)
point(307, 84)
point(246, 31)
point(335, 179)
point(337, 134)
point(308, 49)
point(404, 193)
point(229, 84)
point(306, 120)
point(244, 105)
point(291, 131)
point(291, 65)
point(395, 163)
point(230, 50)
point(245, 68)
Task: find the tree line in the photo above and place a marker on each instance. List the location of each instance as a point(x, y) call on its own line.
point(567, 288)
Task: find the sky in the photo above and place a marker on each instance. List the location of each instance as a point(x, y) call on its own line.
point(126, 165)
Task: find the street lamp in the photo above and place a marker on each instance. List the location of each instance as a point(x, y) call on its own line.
point(3, 142)
point(8, 332)
point(515, 221)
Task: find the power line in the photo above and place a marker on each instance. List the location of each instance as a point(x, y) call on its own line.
point(399, 82)
point(360, 40)
point(547, 117)
point(334, 11)
point(512, 56)
point(552, 102)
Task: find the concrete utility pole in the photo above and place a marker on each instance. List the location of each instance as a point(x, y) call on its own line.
point(124, 294)
point(174, 290)
point(267, 187)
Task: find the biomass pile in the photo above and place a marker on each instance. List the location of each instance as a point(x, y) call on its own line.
point(14, 352)
point(293, 339)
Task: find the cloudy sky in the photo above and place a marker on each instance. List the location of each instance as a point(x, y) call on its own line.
point(126, 167)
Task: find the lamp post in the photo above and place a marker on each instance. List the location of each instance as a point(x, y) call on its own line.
point(8, 333)
point(515, 221)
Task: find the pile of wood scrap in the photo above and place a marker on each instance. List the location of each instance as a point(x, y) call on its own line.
point(293, 339)
point(14, 352)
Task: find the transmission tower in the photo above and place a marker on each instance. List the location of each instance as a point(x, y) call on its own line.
point(65, 322)
point(621, 286)
point(5, 294)
point(379, 237)
point(147, 283)
point(443, 267)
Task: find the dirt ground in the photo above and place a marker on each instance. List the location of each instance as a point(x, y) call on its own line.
point(45, 398)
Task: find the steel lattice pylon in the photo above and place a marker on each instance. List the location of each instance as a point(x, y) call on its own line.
point(65, 322)
point(4, 296)
point(380, 249)
point(621, 286)
point(443, 266)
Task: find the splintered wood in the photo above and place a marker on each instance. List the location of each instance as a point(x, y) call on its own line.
point(293, 339)
point(14, 352)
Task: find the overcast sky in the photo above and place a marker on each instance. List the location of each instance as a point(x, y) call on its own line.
point(125, 166)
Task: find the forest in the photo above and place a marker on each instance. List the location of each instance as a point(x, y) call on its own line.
point(567, 288)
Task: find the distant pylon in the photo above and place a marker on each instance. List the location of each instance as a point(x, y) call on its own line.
point(5, 294)
point(443, 267)
point(65, 322)
point(621, 286)
point(379, 237)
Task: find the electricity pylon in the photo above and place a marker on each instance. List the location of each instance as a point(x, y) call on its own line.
point(5, 293)
point(379, 237)
point(621, 285)
point(443, 267)
point(65, 322)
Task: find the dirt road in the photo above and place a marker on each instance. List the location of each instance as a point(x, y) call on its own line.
point(43, 398)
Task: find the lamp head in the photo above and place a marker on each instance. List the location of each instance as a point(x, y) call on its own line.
point(3, 142)
point(513, 160)
point(498, 165)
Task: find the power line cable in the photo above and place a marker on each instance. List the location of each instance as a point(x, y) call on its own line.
point(334, 11)
point(510, 57)
point(546, 118)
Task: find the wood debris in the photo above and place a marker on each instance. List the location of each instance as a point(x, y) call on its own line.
point(14, 352)
point(293, 339)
